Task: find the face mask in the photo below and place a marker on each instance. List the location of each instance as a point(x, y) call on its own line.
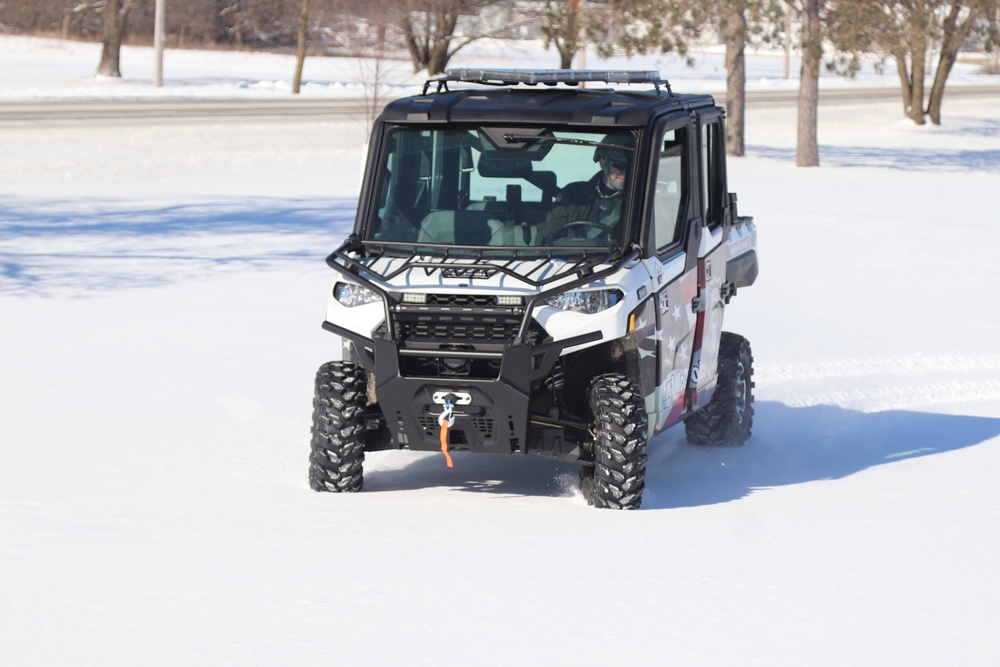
point(614, 179)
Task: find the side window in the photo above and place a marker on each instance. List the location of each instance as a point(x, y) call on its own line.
point(669, 188)
point(713, 172)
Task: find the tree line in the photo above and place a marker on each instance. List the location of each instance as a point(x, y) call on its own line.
point(921, 38)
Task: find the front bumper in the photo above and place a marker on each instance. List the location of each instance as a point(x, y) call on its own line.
point(495, 419)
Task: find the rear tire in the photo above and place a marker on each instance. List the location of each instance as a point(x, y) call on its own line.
point(728, 418)
point(336, 461)
point(618, 476)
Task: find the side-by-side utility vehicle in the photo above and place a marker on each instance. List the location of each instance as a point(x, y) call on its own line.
point(539, 269)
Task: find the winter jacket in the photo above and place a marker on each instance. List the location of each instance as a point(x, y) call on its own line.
point(583, 200)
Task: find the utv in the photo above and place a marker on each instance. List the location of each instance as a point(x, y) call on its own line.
point(538, 271)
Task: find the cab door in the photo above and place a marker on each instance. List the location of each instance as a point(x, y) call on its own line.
point(675, 223)
point(708, 304)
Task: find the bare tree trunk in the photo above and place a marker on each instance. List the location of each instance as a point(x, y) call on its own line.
point(441, 52)
point(954, 34)
point(787, 62)
point(565, 56)
point(417, 47)
point(918, 60)
point(568, 43)
point(905, 85)
point(734, 30)
point(573, 41)
point(559, 21)
point(996, 47)
point(428, 28)
point(439, 58)
point(911, 62)
point(115, 15)
point(300, 51)
point(807, 148)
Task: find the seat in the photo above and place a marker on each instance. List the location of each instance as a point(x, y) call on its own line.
point(472, 228)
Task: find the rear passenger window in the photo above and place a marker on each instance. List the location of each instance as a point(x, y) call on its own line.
point(713, 172)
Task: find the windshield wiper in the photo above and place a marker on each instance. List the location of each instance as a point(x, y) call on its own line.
point(531, 138)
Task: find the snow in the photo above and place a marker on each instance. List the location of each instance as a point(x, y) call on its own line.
point(42, 68)
point(161, 289)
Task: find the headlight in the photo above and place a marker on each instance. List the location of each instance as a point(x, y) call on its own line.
point(590, 302)
point(352, 295)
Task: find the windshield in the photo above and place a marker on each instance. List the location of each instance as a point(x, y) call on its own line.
point(502, 187)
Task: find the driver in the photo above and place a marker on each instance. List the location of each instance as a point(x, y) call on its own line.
point(598, 200)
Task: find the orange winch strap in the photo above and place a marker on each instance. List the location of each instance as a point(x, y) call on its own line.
point(444, 444)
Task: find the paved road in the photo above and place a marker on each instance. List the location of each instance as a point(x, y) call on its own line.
point(140, 111)
point(130, 112)
point(779, 98)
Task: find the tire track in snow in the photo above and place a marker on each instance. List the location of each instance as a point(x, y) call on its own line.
point(912, 365)
point(879, 399)
point(887, 383)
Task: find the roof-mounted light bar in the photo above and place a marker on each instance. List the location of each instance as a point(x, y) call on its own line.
point(549, 77)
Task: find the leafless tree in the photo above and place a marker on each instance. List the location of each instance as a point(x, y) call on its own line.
point(302, 44)
point(910, 32)
point(743, 22)
point(622, 27)
point(430, 29)
point(375, 70)
point(562, 23)
point(115, 14)
point(807, 142)
point(672, 25)
point(734, 33)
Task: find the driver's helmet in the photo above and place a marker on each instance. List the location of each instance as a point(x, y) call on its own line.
point(613, 154)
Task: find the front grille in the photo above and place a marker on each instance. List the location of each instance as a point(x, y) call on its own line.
point(451, 329)
point(458, 328)
point(434, 334)
point(462, 300)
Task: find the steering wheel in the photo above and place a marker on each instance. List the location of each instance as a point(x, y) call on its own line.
point(591, 230)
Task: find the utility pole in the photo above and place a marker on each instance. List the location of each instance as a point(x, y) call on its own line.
point(159, 28)
point(581, 40)
point(786, 67)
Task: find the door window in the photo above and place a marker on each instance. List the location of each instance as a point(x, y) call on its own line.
point(669, 189)
point(713, 175)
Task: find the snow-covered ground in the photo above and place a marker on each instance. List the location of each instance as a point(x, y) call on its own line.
point(161, 289)
point(41, 68)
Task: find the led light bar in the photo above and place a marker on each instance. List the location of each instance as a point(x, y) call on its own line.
point(414, 297)
point(551, 76)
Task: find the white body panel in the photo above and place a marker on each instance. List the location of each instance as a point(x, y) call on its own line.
point(635, 280)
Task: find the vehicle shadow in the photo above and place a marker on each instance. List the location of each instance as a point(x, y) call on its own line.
point(84, 246)
point(789, 446)
point(796, 445)
point(474, 473)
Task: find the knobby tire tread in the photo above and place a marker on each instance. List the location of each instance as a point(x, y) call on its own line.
point(718, 422)
point(336, 460)
point(618, 477)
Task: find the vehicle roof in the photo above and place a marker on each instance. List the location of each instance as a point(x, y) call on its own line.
point(555, 106)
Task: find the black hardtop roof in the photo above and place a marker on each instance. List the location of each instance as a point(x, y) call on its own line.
point(549, 106)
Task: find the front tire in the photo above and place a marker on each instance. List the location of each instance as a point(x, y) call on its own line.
point(618, 476)
point(336, 461)
point(728, 418)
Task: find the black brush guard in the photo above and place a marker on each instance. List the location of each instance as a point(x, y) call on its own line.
point(497, 418)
